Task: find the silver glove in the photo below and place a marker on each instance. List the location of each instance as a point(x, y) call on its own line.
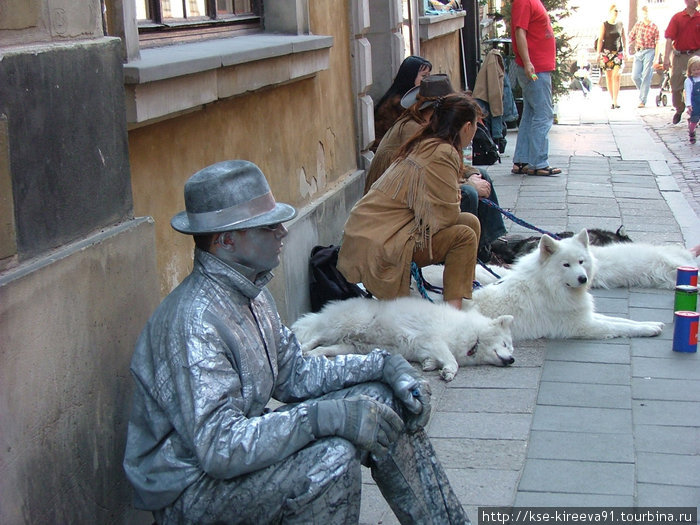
point(363, 421)
point(410, 387)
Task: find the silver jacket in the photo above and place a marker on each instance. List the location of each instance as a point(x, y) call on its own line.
point(207, 363)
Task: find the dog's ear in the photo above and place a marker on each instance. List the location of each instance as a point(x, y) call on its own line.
point(504, 321)
point(582, 237)
point(547, 246)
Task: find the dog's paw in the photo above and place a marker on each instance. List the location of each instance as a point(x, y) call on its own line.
point(448, 374)
point(657, 327)
point(429, 364)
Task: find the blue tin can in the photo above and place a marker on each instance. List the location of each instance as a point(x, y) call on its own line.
point(685, 332)
point(687, 275)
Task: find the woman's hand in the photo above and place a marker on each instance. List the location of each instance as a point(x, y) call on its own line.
point(482, 186)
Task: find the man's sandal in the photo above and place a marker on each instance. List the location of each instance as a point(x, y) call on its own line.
point(544, 172)
point(519, 168)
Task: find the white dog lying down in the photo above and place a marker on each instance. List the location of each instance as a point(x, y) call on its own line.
point(547, 294)
point(638, 264)
point(618, 265)
point(433, 334)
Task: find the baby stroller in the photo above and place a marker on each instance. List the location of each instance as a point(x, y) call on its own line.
point(661, 98)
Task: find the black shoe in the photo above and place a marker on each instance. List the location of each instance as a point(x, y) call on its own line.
point(677, 117)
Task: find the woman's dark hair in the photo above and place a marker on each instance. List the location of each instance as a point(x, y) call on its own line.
point(405, 78)
point(450, 114)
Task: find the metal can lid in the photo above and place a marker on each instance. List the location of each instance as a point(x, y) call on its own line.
point(685, 313)
point(686, 288)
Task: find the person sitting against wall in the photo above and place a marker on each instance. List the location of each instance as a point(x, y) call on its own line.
point(388, 109)
point(202, 444)
point(476, 182)
point(412, 213)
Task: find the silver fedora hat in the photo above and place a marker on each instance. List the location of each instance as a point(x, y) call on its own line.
point(229, 195)
point(431, 87)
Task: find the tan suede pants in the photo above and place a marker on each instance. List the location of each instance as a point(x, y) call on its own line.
point(456, 246)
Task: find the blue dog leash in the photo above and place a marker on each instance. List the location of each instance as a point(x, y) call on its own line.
point(517, 220)
point(424, 286)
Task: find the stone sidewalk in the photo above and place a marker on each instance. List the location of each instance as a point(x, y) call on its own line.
point(585, 423)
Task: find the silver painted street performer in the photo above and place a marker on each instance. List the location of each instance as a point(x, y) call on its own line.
point(203, 446)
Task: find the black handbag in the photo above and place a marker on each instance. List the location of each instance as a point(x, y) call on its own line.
point(327, 283)
point(484, 149)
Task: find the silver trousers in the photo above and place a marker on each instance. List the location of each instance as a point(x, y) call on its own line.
point(322, 483)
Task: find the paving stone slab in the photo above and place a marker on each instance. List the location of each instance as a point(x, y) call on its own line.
point(596, 373)
point(581, 446)
point(582, 419)
point(669, 469)
point(670, 413)
point(651, 314)
point(590, 352)
point(497, 400)
point(667, 440)
point(612, 306)
point(679, 366)
point(374, 510)
point(491, 376)
point(584, 395)
point(655, 495)
point(578, 477)
point(665, 389)
point(504, 454)
point(549, 499)
point(475, 487)
point(653, 347)
point(528, 356)
point(610, 292)
point(480, 426)
point(659, 298)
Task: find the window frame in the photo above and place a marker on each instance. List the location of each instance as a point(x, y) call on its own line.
point(212, 22)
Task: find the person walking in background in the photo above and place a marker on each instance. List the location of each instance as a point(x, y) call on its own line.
point(611, 54)
point(692, 96)
point(643, 40)
point(387, 111)
point(682, 41)
point(535, 58)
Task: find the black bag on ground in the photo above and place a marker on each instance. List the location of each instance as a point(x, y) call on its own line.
point(484, 149)
point(327, 283)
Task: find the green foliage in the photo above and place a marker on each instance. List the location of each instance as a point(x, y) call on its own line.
point(561, 76)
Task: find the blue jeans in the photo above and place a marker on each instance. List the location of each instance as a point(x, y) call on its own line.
point(491, 220)
point(642, 71)
point(532, 146)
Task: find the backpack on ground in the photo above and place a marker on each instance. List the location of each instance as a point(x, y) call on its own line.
point(327, 283)
point(484, 149)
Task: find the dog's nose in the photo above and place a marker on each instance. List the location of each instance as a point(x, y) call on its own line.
point(507, 360)
point(582, 279)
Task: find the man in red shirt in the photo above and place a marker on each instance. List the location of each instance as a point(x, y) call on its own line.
point(682, 42)
point(535, 51)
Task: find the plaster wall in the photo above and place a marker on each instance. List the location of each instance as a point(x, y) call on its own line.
point(68, 325)
point(301, 134)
